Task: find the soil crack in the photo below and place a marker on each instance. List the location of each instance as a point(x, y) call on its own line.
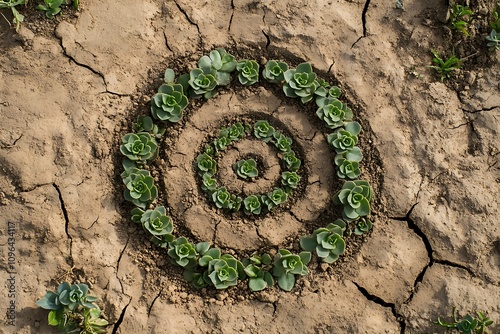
point(6, 145)
point(120, 319)
point(383, 303)
point(363, 21)
point(232, 15)
point(121, 254)
point(187, 17)
point(153, 302)
point(66, 222)
point(166, 42)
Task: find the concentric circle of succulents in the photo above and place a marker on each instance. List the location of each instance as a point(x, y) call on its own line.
point(301, 82)
point(246, 168)
point(202, 82)
point(274, 71)
point(248, 72)
point(355, 196)
point(168, 104)
point(140, 147)
point(205, 266)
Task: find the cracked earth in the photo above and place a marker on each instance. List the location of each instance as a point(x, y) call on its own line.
point(66, 97)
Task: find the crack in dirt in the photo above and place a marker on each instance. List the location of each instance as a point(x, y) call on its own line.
point(268, 40)
point(88, 67)
point(480, 110)
point(383, 303)
point(120, 319)
point(92, 225)
point(66, 222)
point(188, 18)
point(121, 254)
point(231, 19)
point(166, 42)
point(153, 302)
point(363, 21)
point(6, 145)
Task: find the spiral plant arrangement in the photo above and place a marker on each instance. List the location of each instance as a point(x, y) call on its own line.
point(208, 266)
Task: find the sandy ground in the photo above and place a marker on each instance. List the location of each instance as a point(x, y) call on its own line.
point(68, 95)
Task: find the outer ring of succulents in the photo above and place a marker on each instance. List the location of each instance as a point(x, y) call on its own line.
point(223, 269)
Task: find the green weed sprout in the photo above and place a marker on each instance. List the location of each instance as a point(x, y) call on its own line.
point(327, 242)
point(246, 169)
point(220, 64)
point(458, 20)
point(495, 24)
point(258, 268)
point(287, 265)
point(467, 325)
point(18, 17)
point(445, 67)
point(72, 310)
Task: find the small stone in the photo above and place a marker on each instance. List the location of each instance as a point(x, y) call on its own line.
point(220, 296)
point(212, 300)
point(324, 266)
point(183, 295)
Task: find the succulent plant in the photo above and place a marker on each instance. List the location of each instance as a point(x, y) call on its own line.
point(347, 168)
point(222, 271)
point(362, 226)
point(287, 265)
point(333, 112)
point(257, 269)
point(70, 296)
point(291, 162)
point(355, 196)
point(282, 142)
point(203, 83)
point(468, 324)
point(493, 40)
point(168, 104)
point(326, 242)
point(221, 143)
point(209, 184)
point(220, 63)
point(274, 198)
point(206, 164)
point(221, 197)
point(145, 124)
point(51, 7)
point(72, 310)
point(139, 187)
point(334, 92)
point(344, 139)
point(158, 223)
point(140, 147)
point(301, 82)
point(274, 71)
point(233, 133)
point(183, 252)
point(235, 202)
point(262, 130)
point(252, 205)
point(136, 214)
point(246, 168)
point(290, 180)
point(195, 278)
point(248, 72)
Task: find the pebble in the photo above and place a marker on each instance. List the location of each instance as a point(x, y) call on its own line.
point(220, 296)
point(324, 266)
